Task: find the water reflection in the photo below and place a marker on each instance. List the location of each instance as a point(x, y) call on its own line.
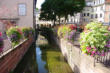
point(28, 63)
point(41, 63)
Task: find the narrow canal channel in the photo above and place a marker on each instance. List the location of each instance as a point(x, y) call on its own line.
point(43, 59)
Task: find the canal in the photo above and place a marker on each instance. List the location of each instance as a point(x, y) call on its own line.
point(43, 58)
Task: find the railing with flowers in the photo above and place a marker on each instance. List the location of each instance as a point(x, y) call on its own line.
point(1, 43)
point(67, 32)
point(94, 40)
point(16, 36)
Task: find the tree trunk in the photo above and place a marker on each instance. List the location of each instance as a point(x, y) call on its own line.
point(54, 22)
point(66, 17)
point(59, 20)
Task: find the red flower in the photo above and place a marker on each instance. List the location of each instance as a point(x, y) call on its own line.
point(19, 31)
point(0, 34)
point(72, 27)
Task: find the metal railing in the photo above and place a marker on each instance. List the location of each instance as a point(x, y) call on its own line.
point(105, 60)
point(9, 48)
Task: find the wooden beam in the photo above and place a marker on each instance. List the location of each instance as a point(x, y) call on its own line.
point(9, 18)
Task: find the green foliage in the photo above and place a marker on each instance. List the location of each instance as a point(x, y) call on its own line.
point(95, 37)
point(67, 31)
point(14, 34)
point(27, 32)
point(61, 8)
point(63, 30)
point(55, 60)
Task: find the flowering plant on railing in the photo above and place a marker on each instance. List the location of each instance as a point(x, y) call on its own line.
point(32, 31)
point(28, 32)
point(25, 32)
point(15, 34)
point(1, 42)
point(67, 31)
point(95, 39)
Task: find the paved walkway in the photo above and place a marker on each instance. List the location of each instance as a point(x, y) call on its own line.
point(7, 46)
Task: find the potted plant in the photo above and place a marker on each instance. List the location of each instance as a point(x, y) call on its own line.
point(1, 42)
point(67, 31)
point(95, 40)
point(25, 32)
point(15, 34)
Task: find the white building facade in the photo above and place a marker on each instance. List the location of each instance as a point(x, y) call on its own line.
point(76, 19)
point(41, 22)
point(96, 10)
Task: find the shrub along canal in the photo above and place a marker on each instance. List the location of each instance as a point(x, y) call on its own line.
point(43, 59)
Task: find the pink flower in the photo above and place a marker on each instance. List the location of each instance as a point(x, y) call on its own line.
point(103, 54)
point(109, 42)
point(106, 34)
point(88, 51)
point(1, 49)
point(95, 48)
point(108, 28)
point(93, 52)
point(88, 48)
point(0, 34)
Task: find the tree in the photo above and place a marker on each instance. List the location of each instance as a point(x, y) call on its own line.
point(47, 12)
point(60, 8)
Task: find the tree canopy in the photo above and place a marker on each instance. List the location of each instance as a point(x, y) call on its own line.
point(60, 8)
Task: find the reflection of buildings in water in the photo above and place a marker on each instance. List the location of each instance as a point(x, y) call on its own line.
point(28, 64)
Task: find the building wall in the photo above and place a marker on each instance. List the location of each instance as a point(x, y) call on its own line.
point(9, 9)
point(99, 11)
point(9, 61)
point(86, 15)
point(74, 19)
point(107, 14)
point(80, 63)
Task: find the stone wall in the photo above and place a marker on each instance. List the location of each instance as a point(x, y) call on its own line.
point(10, 10)
point(11, 59)
point(80, 63)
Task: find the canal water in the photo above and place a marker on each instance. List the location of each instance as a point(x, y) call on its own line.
point(41, 63)
point(33, 61)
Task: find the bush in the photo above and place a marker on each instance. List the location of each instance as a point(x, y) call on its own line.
point(1, 42)
point(27, 32)
point(32, 31)
point(95, 39)
point(67, 31)
point(15, 34)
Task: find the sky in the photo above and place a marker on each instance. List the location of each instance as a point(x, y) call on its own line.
point(39, 3)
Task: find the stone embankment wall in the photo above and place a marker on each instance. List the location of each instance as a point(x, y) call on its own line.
point(9, 61)
point(80, 63)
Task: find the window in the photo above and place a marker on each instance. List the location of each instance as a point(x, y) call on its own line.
point(22, 9)
point(96, 9)
point(87, 14)
point(84, 14)
point(92, 16)
point(101, 7)
point(100, 15)
point(96, 16)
